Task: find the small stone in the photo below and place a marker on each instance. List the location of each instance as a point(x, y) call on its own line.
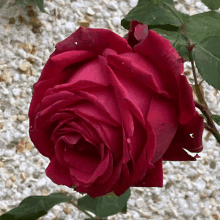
point(131, 202)
point(9, 152)
point(13, 178)
point(34, 50)
point(8, 183)
point(5, 76)
point(27, 47)
point(90, 11)
point(21, 117)
point(35, 22)
point(213, 194)
point(174, 211)
point(14, 117)
point(140, 203)
point(21, 147)
point(203, 195)
point(204, 211)
point(139, 190)
point(89, 18)
point(35, 30)
point(106, 14)
point(212, 165)
point(16, 91)
point(145, 214)
point(165, 171)
point(154, 209)
point(169, 184)
point(84, 23)
point(175, 163)
point(44, 192)
point(23, 176)
point(29, 146)
point(158, 199)
point(188, 213)
point(24, 66)
point(41, 183)
point(40, 162)
point(212, 201)
point(32, 13)
point(31, 60)
point(11, 20)
point(110, 25)
point(67, 210)
point(1, 164)
point(200, 185)
point(69, 26)
point(116, 21)
point(179, 177)
point(21, 19)
point(206, 162)
point(113, 5)
point(215, 217)
point(196, 177)
point(23, 94)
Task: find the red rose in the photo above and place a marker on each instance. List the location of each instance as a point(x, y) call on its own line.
point(107, 111)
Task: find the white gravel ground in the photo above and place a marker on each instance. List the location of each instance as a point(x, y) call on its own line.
point(191, 189)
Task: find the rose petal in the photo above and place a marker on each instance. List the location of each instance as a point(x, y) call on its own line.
point(51, 76)
point(101, 190)
point(58, 174)
point(43, 144)
point(163, 117)
point(145, 156)
point(153, 177)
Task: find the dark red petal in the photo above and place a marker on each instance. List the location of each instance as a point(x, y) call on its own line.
point(58, 174)
point(153, 177)
point(42, 142)
point(163, 117)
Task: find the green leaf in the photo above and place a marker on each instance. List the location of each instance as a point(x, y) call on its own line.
point(40, 4)
point(104, 206)
point(212, 4)
point(207, 58)
point(33, 207)
point(201, 26)
point(124, 210)
point(216, 118)
point(154, 12)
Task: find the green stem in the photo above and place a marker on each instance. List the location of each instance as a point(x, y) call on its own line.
point(210, 126)
point(202, 105)
point(73, 203)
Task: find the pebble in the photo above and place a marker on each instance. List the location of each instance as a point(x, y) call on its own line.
point(140, 203)
point(41, 183)
point(131, 202)
point(205, 212)
point(69, 26)
point(9, 153)
point(113, 5)
point(116, 21)
point(188, 213)
point(133, 3)
point(106, 14)
point(200, 185)
point(90, 11)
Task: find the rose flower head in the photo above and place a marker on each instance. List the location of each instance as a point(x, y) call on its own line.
point(108, 110)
